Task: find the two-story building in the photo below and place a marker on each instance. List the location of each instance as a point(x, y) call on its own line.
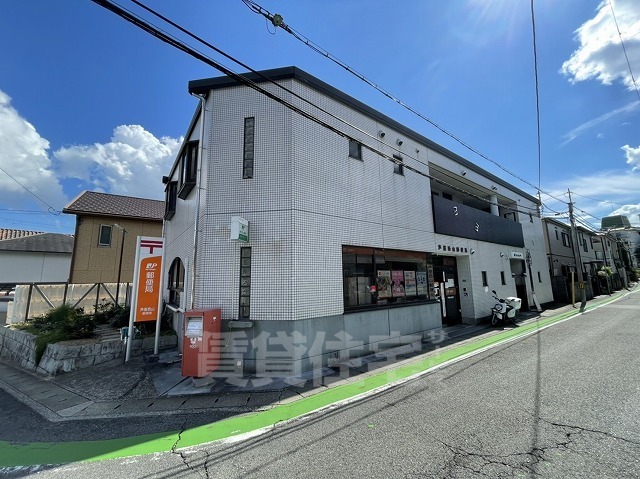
point(334, 230)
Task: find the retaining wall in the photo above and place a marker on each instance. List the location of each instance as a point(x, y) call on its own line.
point(19, 347)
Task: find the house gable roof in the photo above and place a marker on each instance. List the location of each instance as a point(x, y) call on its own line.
point(105, 204)
point(40, 243)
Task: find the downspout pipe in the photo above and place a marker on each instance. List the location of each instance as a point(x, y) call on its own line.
point(196, 220)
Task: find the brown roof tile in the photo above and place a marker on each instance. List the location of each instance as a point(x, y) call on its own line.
point(12, 234)
point(105, 204)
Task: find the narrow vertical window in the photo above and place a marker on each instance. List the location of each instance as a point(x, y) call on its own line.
point(245, 282)
point(502, 279)
point(539, 277)
point(398, 166)
point(248, 149)
point(355, 150)
point(171, 194)
point(104, 237)
point(484, 279)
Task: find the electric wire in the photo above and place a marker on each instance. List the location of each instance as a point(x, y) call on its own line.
point(51, 210)
point(535, 69)
point(278, 21)
point(173, 41)
point(624, 49)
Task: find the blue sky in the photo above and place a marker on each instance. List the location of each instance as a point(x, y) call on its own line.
point(88, 101)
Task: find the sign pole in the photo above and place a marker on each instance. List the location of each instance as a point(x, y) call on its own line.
point(134, 301)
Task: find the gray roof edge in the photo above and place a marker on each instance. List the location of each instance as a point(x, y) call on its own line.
point(205, 85)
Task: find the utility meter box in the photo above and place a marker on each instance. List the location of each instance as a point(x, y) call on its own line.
point(201, 339)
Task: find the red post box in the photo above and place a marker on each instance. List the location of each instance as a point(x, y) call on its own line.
point(201, 342)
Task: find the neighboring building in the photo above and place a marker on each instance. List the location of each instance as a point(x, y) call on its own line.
point(348, 252)
point(594, 250)
point(629, 235)
point(33, 257)
point(101, 219)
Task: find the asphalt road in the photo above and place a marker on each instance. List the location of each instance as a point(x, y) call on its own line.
point(564, 402)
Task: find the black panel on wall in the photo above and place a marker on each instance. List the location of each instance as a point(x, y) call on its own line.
point(455, 219)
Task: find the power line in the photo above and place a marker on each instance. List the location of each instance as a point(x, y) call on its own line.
point(278, 21)
point(624, 49)
point(51, 209)
point(173, 41)
point(535, 69)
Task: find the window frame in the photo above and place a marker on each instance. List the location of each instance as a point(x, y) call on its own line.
point(175, 283)
point(567, 243)
point(188, 168)
point(170, 200)
point(398, 169)
point(357, 154)
point(110, 228)
point(249, 148)
point(244, 292)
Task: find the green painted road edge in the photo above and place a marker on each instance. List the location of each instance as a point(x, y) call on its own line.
point(17, 454)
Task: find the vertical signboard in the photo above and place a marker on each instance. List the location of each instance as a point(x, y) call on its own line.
point(148, 287)
point(146, 298)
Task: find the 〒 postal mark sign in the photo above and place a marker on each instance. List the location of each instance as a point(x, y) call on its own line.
point(149, 285)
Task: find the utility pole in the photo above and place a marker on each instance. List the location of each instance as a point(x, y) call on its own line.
point(576, 255)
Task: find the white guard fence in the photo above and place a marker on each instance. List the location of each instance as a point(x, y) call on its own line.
point(36, 299)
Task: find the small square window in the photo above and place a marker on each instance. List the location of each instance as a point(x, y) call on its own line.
point(355, 150)
point(398, 166)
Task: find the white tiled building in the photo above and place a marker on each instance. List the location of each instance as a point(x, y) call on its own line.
point(333, 225)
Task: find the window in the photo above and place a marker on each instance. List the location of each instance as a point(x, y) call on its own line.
point(502, 279)
point(557, 236)
point(584, 245)
point(565, 240)
point(539, 277)
point(171, 193)
point(398, 168)
point(104, 238)
point(380, 278)
point(447, 196)
point(485, 282)
point(189, 169)
point(245, 282)
point(176, 282)
point(248, 148)
point(355, 150)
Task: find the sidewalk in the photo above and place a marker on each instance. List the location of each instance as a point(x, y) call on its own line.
point(142, 388)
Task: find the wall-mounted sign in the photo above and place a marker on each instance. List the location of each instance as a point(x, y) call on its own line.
point(517, 255)
point(239, 229)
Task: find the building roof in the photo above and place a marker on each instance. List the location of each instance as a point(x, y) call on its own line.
point(105, 204)
point(40, 243)
point(618, 221)
point(205, 85)
point(11, 234)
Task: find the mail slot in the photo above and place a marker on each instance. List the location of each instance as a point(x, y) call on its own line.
point(201, 342)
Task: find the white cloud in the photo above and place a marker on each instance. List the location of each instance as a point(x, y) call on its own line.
point(132, 163)
point(600, 55)
point(24, 156)
point(633, 156)
point(579, 130)
point(599, 194)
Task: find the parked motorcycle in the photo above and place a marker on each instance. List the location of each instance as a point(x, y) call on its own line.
point(505, 310)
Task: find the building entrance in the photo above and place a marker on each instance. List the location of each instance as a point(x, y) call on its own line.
point(445, 274)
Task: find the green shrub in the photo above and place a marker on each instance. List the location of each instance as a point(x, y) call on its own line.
point(59, 324)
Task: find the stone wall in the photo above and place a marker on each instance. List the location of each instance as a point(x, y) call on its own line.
point(19, 347)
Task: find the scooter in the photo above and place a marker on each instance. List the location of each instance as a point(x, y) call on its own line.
point(505, 310)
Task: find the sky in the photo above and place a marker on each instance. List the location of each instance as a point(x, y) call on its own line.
point(90, 102)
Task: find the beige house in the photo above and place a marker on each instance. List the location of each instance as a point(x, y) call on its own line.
point(105, 237)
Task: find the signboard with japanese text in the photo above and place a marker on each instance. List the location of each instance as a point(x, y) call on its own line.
point(239, 229)
point(148, 271)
